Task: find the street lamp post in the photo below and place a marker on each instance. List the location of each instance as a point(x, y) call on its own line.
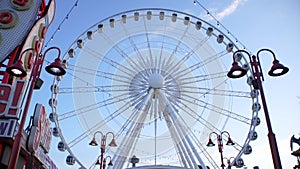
point(18, 70)
point(228, 162)
point(220, 143)
point(102, 160)
point(276, 70)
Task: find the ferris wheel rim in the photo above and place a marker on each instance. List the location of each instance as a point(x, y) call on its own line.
point(119, 14)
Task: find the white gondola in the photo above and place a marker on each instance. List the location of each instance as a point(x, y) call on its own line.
point(52, 117)
point(186, 20)
point(254, 135)
point(136, 16)
point(229, 47)
point(220, 38)
point(239, 163)
point(198, 25)
point(71, 53)
point(80, 43)
point(55, 132)
point(54, 88)
point(149, 15)
point(248, 150)
point(61, 146)
point(174, 17)
point(161, 15)
point(100, 27)
point(89, 35)
point(209, 31)
point(124, 18)
point(112, 23)
point(70, 160)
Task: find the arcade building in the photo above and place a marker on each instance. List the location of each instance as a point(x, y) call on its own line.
point(25, 137)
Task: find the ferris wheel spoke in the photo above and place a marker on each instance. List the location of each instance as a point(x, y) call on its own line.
point(124, 128)
point(150, 61)
point(204, 122)
point(217, 109)
point(140, 58)
point(205, 77)
point(94, 106)
point(131, 62)
point(198, 118)
point(107, 119)
point(160, 60)
point(93, 89)
point(201, 78)
point(168, 65)
point(214, 91)
point(98, 73)
point(184, 72)
point(177, 67)
point(108, 61)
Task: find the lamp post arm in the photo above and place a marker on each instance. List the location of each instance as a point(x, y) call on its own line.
point(213, 133)
point(225, 132)
point(99, 133)
point(110, 133)
point(255, 63)
point(42, 58)
point(268, 50)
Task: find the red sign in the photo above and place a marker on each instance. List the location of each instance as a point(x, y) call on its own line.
point(10, 99)
point(40, 132)
point(10, 103)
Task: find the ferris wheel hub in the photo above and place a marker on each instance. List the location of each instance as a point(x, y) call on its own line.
point(156, 81)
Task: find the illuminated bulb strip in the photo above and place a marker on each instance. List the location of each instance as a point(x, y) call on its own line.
point(219, 24)
point(61, 23)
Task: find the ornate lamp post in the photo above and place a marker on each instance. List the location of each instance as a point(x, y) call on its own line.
point(220, 143)
point(18, 70)
point(102, 160)
point(228, 162)
point(276, 70)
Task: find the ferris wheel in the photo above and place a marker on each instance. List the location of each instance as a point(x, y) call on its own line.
point(156, 79)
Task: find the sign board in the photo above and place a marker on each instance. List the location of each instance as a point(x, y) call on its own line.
point(10, 99)
point(16, 19)
point(7, 127)
point(45, 159)
point(40, 132)
point(10, 103)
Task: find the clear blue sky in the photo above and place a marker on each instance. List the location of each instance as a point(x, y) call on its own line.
point(273, 24)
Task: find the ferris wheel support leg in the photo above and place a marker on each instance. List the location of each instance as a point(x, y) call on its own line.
point(176, 140)
point(129, 141)
point(181, 142)
point(181, 132)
